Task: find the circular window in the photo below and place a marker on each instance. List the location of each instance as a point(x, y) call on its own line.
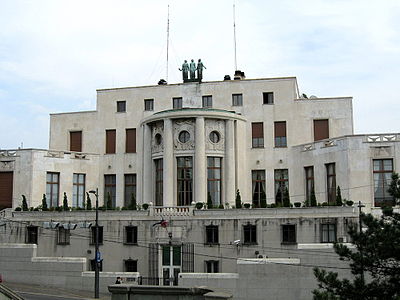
point(214, 137)
point(158, 139)
point(184, 136)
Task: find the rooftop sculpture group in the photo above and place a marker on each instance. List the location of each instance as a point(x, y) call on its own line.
point(190, 70)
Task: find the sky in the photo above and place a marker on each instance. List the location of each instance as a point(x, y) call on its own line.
point(54, 54)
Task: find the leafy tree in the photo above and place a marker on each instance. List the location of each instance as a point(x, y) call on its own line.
point(394, 187)
point(132, 204)
point(24, 203)
point(339, 201)
point(88, 202)
point(313, 199)
point(65, 202)
point(376, 253)
point(109, 202)
point(238, 199)
point(44, 203)
point(263, 200)
point(286, 198)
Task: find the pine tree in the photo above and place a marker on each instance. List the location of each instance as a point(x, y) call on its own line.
point(339, 201)
point(109, 201)
point(238, 199)
point(44, 203)
point(133, 204)
point(375, 257)
point(286, 198)
point(263, 200)
point(65, 202)
point(209, 201)
point(394, 187)
point(24, 203)
point(313, 199)
point(88, 202)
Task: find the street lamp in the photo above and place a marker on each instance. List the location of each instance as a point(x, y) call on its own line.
point(97, 253)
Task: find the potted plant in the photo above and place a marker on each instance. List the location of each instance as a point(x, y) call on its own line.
point(246, 205)
point(297, 204)
point(145, 206)
point(199, 205)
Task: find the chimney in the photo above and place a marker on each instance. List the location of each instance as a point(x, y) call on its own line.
point(239, 75)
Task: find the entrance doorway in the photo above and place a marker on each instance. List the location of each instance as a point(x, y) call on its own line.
point(171, 264)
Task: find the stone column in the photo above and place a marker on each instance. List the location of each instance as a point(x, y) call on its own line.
point(147, 166)
point(230, 168)
point(168, 164)
point(200, 183)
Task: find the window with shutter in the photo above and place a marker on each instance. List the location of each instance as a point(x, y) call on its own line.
point(75, 141)
point(110, 141)
point(280, 134)
point(321, 129)
point(130, 141)
point(257, 134)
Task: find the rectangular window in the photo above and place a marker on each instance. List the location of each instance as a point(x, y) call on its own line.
point(257, 135)
point(52, 189)
point(148, 104)
point(268, 98)
point(159, 181)
point(121, 106)
point(78, 190)
point(331, 183)
point(93, 265)
point(280, 134)
point(214, 172)
point(281, 186)
point(249, 234)
point(212, 234)
point(130, 265)
point(207, 101)
point(258, 187)
point(321, 129)
point(110, 141)
point(110, 189)
point(130, 140)
point(212, 266)
point(131, 235)
point(75, 141)
point(130, 190)
point(382, 172)
point(93, 235)
point(289, 234)
point(328, 233)
point(63, 236)
point(185, 180)
point(177, 103)
point(237, 100)
point(31, 235)
point(309, 171)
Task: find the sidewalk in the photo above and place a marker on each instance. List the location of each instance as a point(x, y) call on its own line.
point(54, 291)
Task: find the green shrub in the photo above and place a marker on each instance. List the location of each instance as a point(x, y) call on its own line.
point(65, 202)
point(44, 203)
point(145, 206)
point(18, 208)
point(313, 199)
point(24, 203)
point(209, 201)
point(199, 205)
point(238, 199)
point(339, 201)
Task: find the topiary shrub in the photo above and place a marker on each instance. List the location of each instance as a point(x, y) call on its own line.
point(88, 202)
point(297, 204)
point(313, 199)
point(44, 203)
point(209, 201)
point(339, 201)
point(24, 203)
point(65, 202)
point(145, 206)
point(246, 205)
point(238, 199)
point(18, 208)
point(286, 198)
point(199, 205)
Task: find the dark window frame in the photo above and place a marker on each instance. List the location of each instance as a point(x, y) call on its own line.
point(73, 136)
point(257, 134)
point(93, 235)
point(331, 183)
point(326, 228)
point(130, 140)
point(131, 235)
point(207, 101)
point(52, 183)
point(309, 176)
point(148, 104)
point(110, 186)
point(134, 265)
point(280, 184)
point(237, 99)
point(279, 139)
point(258, 187)
point(185, 182)
point(382, 183)
point(212, 235)
point(211, 266)
point(177, 102)
point(111, 141)
point(121, 106)
point(214, 179)
point(268, 98)
point(249, 234)
point(289, 234)
point(159, 177)
point(32, 234)
point(63, 236)
point(80, 189)
point(130, 185)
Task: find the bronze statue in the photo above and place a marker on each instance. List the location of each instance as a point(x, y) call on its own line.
point(192, 69)
point(185, 70)
point(200, 67)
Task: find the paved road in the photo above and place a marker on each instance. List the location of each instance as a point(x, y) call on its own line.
point(36, 296)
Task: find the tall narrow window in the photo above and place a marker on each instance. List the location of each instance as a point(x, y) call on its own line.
point(207, 101)
point(309, 171)
point(63, 236)
point(250, 234)
point(237, 100)
point(110, 141)
point(212, 266)
point(268, 98)
point(130, 265)
point(212, 234)
point(109, 189)
point(130, 234)
point(93, 235)
point(159, 181)
point(328, 233)
point(257, 134)
point(52, 189)
point(148, 104)
point(383, 169)
point(289, 234)
point(121, 106)
point(78, 193)
point(280, 134)
point(75, 141)
point(130, 141)
point(281, 186)
point(214, 180)
point(321, 129)
point(31, 234)
point(185, 180)
point(258, 187)
point(331, 183)
point(130, 190)
point(177, 103)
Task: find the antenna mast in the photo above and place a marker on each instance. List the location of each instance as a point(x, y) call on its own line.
point(234, 33)
point(167, 42)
